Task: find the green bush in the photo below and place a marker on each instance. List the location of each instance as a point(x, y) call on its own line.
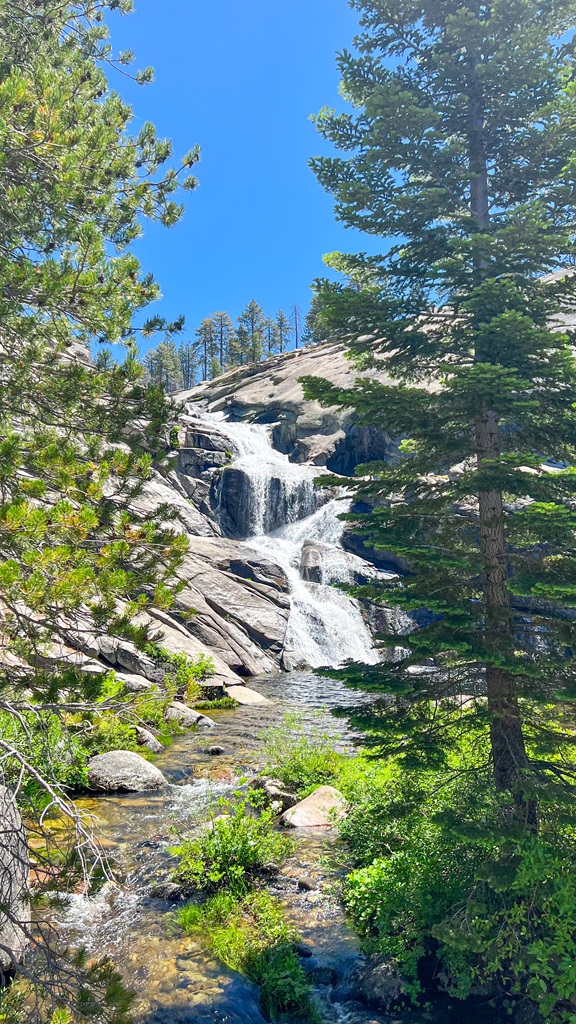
point(249, 935)
point(231, 849)
point(301, 754)
point(218, 702)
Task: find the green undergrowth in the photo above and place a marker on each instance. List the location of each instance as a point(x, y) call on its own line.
point(249, 935)
point(232, 848)
point(301, 754)
point(439, 874)
point(214, 705)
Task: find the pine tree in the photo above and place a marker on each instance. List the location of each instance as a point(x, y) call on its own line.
point(224, 332)
point(314, 330)
point(271, 337)
point(189, 363)
point(164, 367)
point(208, 346)
point(460, 154)
point(296, 324)
point(74, 186)
point(251, 321)
point(283, 329)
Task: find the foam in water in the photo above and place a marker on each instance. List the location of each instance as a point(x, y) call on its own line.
point(326, 627)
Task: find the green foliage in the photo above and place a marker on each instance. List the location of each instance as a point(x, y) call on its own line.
point(301, 754)
point(249, 935)
point(183, 674)
point(218, 702)
point(231, 849)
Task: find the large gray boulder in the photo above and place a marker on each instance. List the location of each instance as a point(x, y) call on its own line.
point(14, 871)
point(123, 770)
point(186, 717)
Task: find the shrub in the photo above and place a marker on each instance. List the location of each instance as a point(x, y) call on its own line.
point(231, 849)
point(218, 702)
point(249, 935)
point(301, 754)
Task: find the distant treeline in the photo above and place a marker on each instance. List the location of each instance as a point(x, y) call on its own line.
point(219, 346)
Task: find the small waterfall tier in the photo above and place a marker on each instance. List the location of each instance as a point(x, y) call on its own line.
point(274, 506)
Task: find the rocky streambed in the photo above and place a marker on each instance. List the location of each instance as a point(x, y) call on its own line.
point(175, 977)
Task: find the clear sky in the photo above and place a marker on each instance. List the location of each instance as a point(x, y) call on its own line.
point(240, 79)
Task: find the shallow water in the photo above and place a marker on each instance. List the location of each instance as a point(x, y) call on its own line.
point(176, 980)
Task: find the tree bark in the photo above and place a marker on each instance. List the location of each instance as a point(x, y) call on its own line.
point(509, 757)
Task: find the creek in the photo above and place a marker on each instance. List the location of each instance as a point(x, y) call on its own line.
point(175, 977)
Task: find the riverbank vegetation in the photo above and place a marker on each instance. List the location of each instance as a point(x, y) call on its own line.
point(458, 152)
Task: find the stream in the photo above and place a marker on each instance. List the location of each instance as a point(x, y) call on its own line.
point(175, 978)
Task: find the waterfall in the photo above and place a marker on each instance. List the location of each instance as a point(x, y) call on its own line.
point(282, 521)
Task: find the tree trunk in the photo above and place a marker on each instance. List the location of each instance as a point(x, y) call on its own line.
point(509, 757)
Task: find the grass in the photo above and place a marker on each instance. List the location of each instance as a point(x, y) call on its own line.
point(249, 935)
point(231, 850)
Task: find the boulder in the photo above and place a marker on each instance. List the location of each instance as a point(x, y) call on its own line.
point(244, 695)
point(375, 981)
point(186, 717)
point(311, 562)
point(147, 739)
point(275, 791)
point(123, 770)
point(322, 808)
point(14, 870)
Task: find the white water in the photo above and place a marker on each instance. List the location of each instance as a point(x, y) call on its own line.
point(326, 627)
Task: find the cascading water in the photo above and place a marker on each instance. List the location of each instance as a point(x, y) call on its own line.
point(326, 627)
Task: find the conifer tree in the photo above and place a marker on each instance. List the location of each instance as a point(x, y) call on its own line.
point(189, 363)
point(271, 336)
point(314, 330)
point(164, 367)
point(208, 347)
point(296, 324)
point(74, 185)
point(252, 321)
point(224, 331)
point(460, 153)
point(283, 329)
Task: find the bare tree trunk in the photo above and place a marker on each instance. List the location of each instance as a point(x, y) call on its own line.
point(510, 760)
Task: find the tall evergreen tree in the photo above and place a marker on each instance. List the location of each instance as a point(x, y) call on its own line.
point(224, 331)
point(189, 363)
point(315, 331)
point(74, 185)
point(271, 337)
point(461, 154)
point(252, 321)
point(208, 347)
point(296, 324)
point(283, 329)
point(164, 367)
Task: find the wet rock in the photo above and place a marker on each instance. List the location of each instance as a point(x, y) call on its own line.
point(303, 950)
point(306, 883)
point(169, 891)
point(376, 982)
point(311, 562)
point(215, 750)
point(322, 808)
point(244, 695)
point(147, 739)
point(186, 717)
point(14, 869)
point(123, 770)
point(274, 791)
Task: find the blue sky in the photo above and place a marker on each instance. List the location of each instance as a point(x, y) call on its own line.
point(240, 79)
